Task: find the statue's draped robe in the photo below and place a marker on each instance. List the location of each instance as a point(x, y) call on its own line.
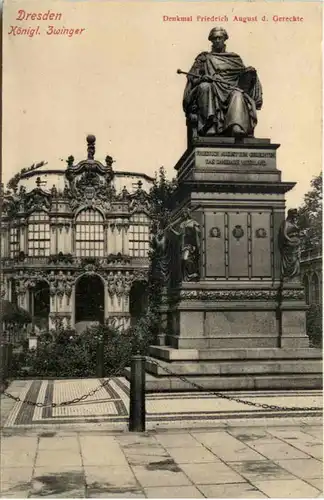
point(216, 104)
point(176, 256)
point(289, 245)
point(189, 247)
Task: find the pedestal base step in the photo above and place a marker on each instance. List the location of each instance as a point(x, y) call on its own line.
point(171, 369)
point(235, 367)
point(243, 382)
point(227, 342)
point(170, 354)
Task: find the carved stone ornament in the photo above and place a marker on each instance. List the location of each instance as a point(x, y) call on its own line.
point(260, 233)
point(238, 232)
point(120, 283)
point(140, 200)
point(90, 182)
point(215, 232)
point(59, 283)
point(228, 294)
point(37, 200)
point(293, 294)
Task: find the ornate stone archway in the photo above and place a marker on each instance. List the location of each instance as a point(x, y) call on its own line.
point(89, 299)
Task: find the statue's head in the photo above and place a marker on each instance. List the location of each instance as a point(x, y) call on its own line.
point(218, 37)
point(186, 213)
point(292, 214)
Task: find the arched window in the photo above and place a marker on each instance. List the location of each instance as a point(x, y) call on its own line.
point(306, 288)
point(139, 235)
point(39, 238)
point(89, 234)
point(14, 241)
point(315, 289)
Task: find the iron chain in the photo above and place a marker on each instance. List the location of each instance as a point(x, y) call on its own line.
point(63, 403)
point(234, 398)
point(181, 377)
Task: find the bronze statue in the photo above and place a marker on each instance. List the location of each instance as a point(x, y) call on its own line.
point(289, 241)
point(222, 95)
point(189, 236)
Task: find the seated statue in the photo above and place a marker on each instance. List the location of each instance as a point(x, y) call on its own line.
point(289, 242)
point(222, 95)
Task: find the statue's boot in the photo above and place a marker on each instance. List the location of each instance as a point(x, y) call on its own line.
point(237, 131)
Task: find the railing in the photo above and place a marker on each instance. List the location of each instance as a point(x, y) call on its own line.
point(313, 254)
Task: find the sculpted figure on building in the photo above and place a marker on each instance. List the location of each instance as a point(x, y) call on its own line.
point(289, 241)
point(189, 241)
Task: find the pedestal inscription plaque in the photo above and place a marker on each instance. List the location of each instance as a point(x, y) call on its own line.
point(230, 157)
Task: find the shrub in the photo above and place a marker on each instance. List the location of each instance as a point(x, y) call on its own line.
point(314, 325)
point(64, 353)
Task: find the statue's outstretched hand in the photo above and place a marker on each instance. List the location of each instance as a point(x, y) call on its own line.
point(206, 78)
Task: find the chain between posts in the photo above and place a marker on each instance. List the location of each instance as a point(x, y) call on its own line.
point(234, 398)
point(64, 403)
point(181, 377)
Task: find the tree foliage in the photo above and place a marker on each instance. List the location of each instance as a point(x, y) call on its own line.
point(161, 195)
point(162, 203)
point(65, 353)
point(310, 215)
point(314, 325)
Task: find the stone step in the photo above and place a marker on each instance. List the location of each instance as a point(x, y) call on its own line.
point(237, 367)
point(224, 342)
point(223, 383)
point(296, 381)
point(171, 354)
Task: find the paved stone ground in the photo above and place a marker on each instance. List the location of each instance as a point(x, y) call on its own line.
point(239, 462)
point(108, 407)
point(73, 456)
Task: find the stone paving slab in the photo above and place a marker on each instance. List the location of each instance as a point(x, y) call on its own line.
point(228, 452)
point(295, 488)
point(78, 465)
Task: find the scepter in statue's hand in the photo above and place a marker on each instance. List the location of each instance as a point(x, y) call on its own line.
point(209, 79)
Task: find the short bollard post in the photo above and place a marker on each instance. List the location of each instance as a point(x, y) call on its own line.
point(137, 395)
point(9, 359)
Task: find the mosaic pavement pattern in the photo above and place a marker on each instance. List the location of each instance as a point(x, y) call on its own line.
point(111, 403)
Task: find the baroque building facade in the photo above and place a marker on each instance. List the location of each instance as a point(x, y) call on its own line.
point(75, 243)
point(311, 275)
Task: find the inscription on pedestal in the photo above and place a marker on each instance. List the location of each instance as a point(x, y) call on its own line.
point(243, 158)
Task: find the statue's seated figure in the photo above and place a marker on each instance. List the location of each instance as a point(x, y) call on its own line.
point(222, 95)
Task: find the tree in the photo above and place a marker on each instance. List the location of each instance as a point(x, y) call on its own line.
point(161, 194)
point(162, 203)
point(310, 215)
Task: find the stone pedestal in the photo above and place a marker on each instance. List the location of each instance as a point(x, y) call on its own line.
point(239, 309)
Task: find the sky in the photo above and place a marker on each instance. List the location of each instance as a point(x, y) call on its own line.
point(118, 81)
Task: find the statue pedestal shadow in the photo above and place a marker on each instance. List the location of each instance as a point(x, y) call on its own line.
point(237, 326)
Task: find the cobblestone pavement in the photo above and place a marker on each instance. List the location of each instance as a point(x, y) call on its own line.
point(225, 450)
